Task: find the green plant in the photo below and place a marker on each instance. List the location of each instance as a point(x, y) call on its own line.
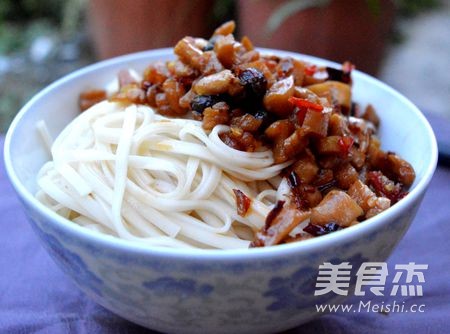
point(411, 8)
point(289, 8)
point(24, 10)
point(23, 20)
point(72, 16)
point(20, 19)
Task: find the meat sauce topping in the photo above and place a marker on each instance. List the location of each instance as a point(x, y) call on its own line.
point(339, 176)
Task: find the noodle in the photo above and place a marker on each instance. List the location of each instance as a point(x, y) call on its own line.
point(140, 176)
point(262, 150)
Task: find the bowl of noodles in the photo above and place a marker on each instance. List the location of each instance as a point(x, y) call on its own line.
point(199, 189)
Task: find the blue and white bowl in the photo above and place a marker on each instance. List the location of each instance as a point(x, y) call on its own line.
point(261, 290)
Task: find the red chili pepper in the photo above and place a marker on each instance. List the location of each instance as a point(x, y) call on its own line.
point(310, 70)
point(385, 187)
point(302, 103)
point(347, 67)
point(242, 202)
point(301, 113)
point(273, 214)
point(345, 143)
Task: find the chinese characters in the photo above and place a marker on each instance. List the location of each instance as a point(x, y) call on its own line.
point(371, 277)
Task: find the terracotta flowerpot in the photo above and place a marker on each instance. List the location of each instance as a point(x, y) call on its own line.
point(343, 30)
point(123, 26)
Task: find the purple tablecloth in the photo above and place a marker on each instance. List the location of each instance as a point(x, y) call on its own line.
point(35, 296)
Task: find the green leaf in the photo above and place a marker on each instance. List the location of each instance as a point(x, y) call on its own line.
point(291, 8)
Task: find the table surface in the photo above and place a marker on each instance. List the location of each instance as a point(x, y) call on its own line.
point(35, 296)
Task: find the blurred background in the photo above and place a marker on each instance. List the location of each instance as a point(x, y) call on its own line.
point(404, 43)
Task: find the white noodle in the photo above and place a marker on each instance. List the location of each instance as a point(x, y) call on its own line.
point(44, 134)
point(163, 182)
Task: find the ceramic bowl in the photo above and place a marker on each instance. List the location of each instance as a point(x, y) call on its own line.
point(262, 290)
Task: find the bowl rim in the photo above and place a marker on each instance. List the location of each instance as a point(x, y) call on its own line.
point(245, 254)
